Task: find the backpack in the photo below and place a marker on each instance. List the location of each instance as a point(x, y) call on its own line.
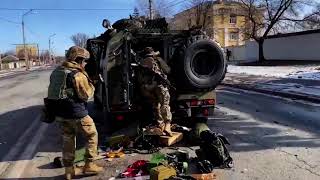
point(57, 90)
point(213, 149)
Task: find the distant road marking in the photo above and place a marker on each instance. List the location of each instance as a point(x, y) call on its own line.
point(18, 168)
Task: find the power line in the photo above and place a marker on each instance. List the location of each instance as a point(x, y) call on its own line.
point(172, 2)
point(9, 21)
point(65, 9)
point(175, 4)
point(32, 32)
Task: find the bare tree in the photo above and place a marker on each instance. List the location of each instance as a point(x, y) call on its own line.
point(60, 59)
point(10, 52)
point(136, 13)
point(198, 12)
point(265, 17)
point(45, 56)
point(80, 39)
point(201, 10)
point(160, 8)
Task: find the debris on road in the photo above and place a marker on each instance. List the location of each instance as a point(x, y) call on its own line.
point(139, 168)
point(162, 172)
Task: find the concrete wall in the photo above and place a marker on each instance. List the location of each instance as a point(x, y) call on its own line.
point(302, 47)
point(297, 47)
point(246, 53)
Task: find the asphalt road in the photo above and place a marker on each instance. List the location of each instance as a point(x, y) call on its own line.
point(271, 137)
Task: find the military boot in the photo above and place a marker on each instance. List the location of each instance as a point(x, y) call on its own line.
point(69, 172)
point(91, 168)
point(72, 171)
point(156, 131)
point(167, 129)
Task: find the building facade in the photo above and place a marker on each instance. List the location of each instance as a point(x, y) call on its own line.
point(12, 62)
point(223, 20)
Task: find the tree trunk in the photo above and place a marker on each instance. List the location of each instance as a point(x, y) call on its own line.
point(261, 53)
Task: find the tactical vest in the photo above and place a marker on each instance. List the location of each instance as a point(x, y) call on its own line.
point(67, 103)
point(58, 84)
point(146, 77)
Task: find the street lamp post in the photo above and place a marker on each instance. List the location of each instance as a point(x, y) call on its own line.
point(24, 40)
point(50, 44)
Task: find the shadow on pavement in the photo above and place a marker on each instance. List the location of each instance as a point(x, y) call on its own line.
point(268, 126)
point(18, 132)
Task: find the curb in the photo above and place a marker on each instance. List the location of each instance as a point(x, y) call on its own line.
point(276, 93)
point(22, 73)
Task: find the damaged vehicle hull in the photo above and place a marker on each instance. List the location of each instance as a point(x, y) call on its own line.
point(197, 66)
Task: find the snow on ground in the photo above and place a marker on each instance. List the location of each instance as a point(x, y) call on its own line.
point(294, 72)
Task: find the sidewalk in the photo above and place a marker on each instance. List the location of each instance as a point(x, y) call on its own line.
point(302, 89)
point(5, 73)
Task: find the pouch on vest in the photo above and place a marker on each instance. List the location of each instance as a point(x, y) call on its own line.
point(48, 113)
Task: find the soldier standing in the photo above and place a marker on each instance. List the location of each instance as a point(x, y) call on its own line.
point(157, 92)
point(70, 88)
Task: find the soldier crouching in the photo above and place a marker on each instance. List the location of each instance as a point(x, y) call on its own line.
point(155, 91)
point(71, 88)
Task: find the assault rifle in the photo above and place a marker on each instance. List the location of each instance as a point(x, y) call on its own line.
point(159, 78)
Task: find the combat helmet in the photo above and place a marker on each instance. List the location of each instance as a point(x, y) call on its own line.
point(75, 52)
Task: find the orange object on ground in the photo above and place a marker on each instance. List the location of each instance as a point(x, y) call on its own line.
point(112, 154)
point(210, 176)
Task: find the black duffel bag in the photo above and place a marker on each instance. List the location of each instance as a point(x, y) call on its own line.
point(213, 149)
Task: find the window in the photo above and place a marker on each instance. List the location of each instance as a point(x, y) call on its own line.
point(234, 36)
point(233, 19)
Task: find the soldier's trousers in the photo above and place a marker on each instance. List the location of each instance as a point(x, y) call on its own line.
point(70, 128)
point(160, 99)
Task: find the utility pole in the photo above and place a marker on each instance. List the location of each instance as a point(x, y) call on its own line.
point(24, 41)
point(0, 62)
point(150, 9)
point(24, 46)
point(49, 51)
point(50, 45)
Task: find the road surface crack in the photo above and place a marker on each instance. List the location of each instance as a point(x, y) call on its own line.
point(298, 159)
point(309, 170)
point(309, 166)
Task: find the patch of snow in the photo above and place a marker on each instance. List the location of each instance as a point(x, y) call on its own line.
point(294, 72)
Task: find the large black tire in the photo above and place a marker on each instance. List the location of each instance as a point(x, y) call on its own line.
point(202, 66)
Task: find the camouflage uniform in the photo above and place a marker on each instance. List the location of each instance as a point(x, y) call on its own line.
point(157, 93)
point(69, 128)
point(83, 89)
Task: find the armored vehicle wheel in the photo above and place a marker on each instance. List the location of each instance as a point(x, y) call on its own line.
point(203, 64)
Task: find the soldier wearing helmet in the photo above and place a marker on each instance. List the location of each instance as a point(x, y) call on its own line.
point(156, 92)
point(70, 88)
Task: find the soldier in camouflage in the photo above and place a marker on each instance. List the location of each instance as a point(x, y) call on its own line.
point(71, 88)
point(157, 92)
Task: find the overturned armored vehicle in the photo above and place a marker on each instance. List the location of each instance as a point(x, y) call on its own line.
point(197, 66)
